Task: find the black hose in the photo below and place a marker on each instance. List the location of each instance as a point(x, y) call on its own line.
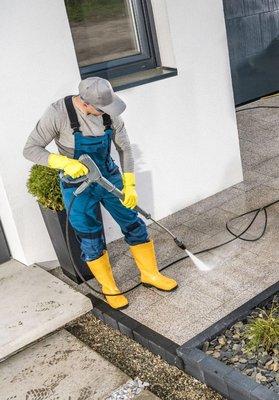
point(236, 236)
point(257, 211)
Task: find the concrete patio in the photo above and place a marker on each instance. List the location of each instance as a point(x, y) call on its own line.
point(62, 367)
point(241, 269)
point(36, 304)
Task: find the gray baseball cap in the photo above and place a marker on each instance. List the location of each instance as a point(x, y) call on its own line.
point(99, 93)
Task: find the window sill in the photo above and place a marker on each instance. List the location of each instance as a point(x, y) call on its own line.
point(142, 77)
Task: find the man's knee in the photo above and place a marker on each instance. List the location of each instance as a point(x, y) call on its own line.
point(136, 233)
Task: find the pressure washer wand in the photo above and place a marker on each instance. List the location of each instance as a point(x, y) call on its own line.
point(111, 188)
point(95, 176)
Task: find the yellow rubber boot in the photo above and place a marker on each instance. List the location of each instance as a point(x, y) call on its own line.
point(145, 258)
point(101, 269)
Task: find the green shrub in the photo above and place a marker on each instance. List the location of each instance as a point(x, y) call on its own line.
point(263, 331)
point(43, 183)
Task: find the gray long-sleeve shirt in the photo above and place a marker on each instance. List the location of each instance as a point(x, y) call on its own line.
point(55, 125)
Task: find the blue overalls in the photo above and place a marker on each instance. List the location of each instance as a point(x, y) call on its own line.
point(84, 216)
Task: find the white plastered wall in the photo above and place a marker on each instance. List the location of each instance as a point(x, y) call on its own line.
point(185, 142)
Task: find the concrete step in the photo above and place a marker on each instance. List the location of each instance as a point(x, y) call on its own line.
point(33, 304)
point(61, 367)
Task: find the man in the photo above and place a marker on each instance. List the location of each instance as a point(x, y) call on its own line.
point(76, 124)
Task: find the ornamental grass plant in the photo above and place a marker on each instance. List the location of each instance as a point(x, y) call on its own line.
point(263, 331)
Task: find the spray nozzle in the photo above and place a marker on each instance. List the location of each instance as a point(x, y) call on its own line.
point(179, 243)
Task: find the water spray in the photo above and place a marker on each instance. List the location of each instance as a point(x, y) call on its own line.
point(94, 176)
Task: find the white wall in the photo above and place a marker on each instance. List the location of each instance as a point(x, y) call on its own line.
point(38, 65)
point(185, 141)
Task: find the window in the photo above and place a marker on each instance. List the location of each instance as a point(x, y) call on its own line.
point(113, 38)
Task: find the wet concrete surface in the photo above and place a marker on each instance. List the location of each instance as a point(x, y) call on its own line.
point(242, 269)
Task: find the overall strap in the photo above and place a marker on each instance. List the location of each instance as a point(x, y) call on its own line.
point(106, 121)
point(107, 124)
point(72, 114)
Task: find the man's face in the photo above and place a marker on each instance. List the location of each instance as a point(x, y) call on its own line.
point(89, 109)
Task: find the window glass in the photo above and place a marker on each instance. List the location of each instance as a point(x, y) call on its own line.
point(103, 30)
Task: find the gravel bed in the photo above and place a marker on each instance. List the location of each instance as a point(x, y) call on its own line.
point(165, 381)
point(231, 348)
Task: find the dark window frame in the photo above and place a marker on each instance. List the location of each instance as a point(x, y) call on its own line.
point(149, 58)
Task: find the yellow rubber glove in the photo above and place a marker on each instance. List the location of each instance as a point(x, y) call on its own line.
point(131, 197)
point(70, 166)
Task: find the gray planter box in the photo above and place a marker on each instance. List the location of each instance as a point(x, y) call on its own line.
point(5, 253)
point(56, 225)
point(226, 380)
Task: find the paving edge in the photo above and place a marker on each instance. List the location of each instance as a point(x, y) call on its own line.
point(225, 379)
point(153, 341)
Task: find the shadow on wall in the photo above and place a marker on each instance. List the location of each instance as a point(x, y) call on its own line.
point(143, 182)
point(144, 189)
